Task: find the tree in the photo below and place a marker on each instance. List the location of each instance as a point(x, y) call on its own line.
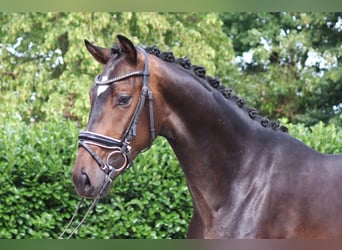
point(295, 69)
point(45, 51)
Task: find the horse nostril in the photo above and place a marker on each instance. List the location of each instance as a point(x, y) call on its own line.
point(85, 180)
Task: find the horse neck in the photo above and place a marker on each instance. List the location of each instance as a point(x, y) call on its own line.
point(206, 131)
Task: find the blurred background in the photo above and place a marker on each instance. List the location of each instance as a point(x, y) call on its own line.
point(287, 65)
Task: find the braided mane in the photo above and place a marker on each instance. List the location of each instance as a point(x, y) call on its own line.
point(215, 83)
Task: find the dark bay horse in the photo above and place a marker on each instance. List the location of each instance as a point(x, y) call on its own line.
point(247, 176)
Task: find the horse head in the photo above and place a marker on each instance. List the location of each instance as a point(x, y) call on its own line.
point(121, 120)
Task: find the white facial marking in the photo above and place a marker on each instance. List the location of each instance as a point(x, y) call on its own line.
point(102, 88)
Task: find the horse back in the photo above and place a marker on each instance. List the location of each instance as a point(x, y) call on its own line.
point(304, 194)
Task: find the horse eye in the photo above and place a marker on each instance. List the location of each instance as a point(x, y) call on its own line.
point(123, 99)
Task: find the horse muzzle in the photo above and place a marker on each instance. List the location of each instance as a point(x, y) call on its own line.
point(89, 181)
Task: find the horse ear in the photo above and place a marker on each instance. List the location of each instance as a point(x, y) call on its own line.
point(101, 55)
point(127, 48)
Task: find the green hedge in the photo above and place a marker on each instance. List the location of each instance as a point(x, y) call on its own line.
point(323, 138)
point(149, 200)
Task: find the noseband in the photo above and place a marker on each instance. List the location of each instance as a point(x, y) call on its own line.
point(120, 148)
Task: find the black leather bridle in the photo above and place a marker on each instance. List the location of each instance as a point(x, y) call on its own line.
point(120, 148)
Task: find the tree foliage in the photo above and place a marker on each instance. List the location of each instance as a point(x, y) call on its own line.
point(295, 69)
point(45, 74)
point(47, 49)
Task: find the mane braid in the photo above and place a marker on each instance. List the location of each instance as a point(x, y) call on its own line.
point(215, 82)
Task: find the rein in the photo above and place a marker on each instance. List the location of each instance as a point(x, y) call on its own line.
point(120, 148)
